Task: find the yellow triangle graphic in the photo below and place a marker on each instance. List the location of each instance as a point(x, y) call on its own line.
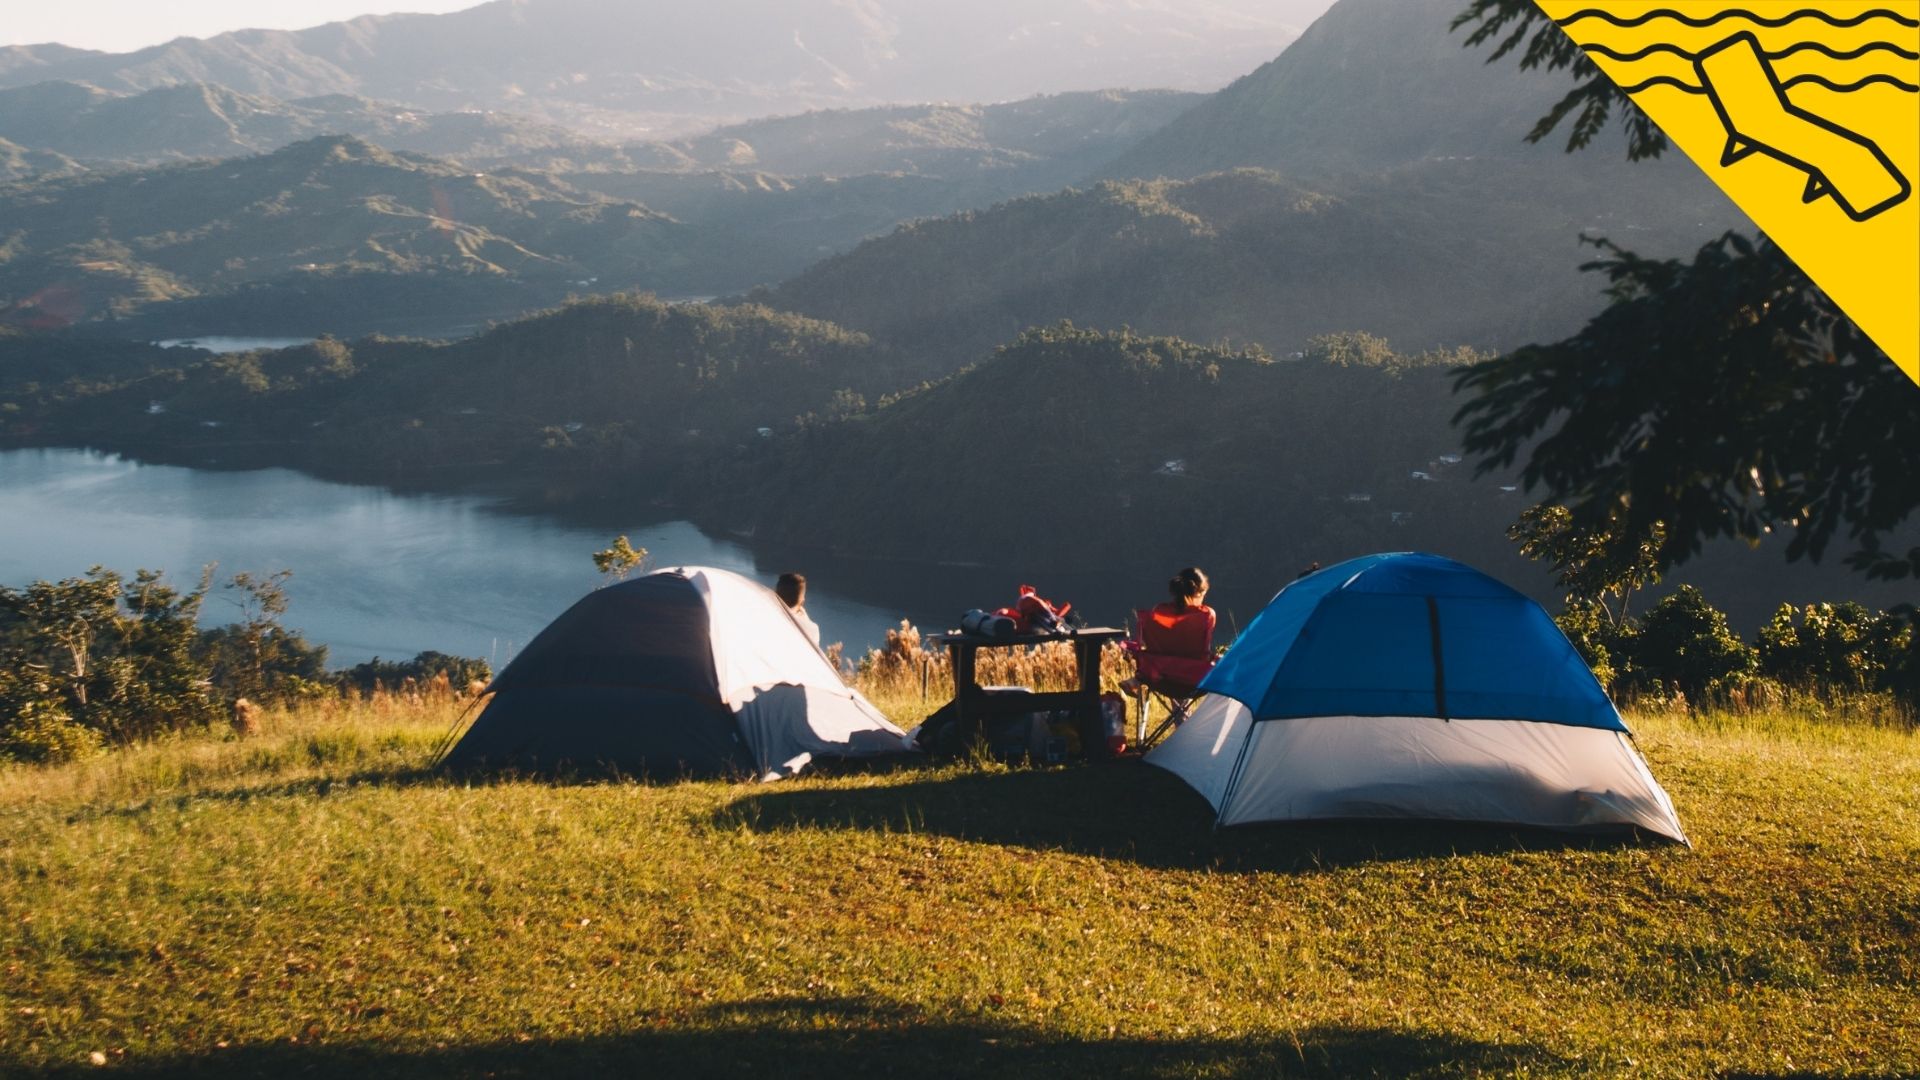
point(1806, 113)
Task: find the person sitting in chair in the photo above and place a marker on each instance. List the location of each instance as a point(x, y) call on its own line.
point(1188, 606)
point(793, 589)
point(1176, 638)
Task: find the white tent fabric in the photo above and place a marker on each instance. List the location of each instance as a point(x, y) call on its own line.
point(1345, 767)
point(790, 701)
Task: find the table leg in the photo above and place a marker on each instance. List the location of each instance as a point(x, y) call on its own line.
point(970, 727)
point(1093, 728)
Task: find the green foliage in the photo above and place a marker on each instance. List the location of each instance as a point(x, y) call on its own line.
point(1510, 24)
point(1727, 395)
point(1834, 650)
point(1599, 568)
point(1684, 643)
point(1608, 646)
point(264, 664)
point(429, 666)
point(620, 559)
point(1075, 447)
point(117, 657)
point(1750, 405)
point(34, 727)
point(256, 658)
point(1351, 349)
point(621, 387)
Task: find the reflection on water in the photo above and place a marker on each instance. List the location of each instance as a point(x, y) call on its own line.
point(374, 573)
point(219, 344)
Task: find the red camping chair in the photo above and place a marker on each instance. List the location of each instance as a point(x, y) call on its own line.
point(1172, 651)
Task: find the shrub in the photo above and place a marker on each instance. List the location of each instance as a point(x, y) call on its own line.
point(1605, 645)
point(115, 656)
point(1684, 643)
point(269, 666)
point(35, 728)
point(1834, 649)
point(458, 671)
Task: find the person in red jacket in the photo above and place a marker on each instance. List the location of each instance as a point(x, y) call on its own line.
point(1175, 648)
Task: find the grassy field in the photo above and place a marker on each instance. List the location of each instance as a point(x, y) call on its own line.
point(314, 902)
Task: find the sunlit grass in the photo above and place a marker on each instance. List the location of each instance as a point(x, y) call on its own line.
point(315, 898)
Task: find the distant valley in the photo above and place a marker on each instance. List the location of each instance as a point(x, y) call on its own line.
point(1215, 280)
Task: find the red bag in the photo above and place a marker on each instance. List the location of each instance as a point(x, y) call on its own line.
point(1033, 613)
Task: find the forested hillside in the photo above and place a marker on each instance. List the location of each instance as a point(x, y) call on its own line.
point(622, 391)
point(311, 220)
point(789, 191)
point(1075, 449)
point(1432, 254)
point(1070, 134)
point(1075, 446)
point(22, 163)
point(336, 234)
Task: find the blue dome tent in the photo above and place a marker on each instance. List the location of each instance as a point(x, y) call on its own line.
point(1412, 686)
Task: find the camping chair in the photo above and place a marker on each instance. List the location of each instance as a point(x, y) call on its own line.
point(1171, 654)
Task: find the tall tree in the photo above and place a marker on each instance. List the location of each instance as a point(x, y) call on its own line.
point(1722, 396)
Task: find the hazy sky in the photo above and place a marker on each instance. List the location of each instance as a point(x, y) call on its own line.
point(122, 25)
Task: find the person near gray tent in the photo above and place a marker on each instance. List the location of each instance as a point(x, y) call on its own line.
point(690, 671)
point(792, 588)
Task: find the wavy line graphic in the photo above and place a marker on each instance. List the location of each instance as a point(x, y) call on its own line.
point(1757, 19)
point(1798, 80)
point(1778, 54)
point(1665, 80)
point(1843, 88)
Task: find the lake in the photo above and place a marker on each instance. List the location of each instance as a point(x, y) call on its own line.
point(219, 343)
point(374, 573)
point(379, 573)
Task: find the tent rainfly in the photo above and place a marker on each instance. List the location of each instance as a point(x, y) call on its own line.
point(690, 671)
point(1411, 686)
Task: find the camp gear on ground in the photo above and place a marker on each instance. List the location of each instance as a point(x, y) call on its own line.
point(1412, 686)
point(1113, 718)
point(974, 710)
point(1015, 728)
point(688, 671)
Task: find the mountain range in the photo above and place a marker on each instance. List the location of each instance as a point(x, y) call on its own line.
point(22, 163)
point(317, 236)
point(307, 220)
point(1327, 191)
point(202, 120)
point(654, 69)
point(1373, 84)
point(1430, 255)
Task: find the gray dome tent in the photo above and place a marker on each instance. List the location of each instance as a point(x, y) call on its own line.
point(690, 671)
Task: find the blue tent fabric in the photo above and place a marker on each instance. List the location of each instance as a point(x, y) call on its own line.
point(1409, 635)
